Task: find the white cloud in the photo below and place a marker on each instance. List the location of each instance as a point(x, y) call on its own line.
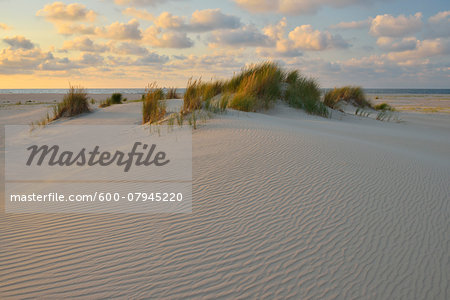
point(305, 37)
point(129, 49)
point(58, 64)
point(152, 58)
point(114, 31)
point(440, 16)
point(401, 26)
point(293, 7)
point(212, 19)
point(58, 11)
point(22, 60)
point(168, 21)
point(439, 25)
point(154, 37)
point(283, 46)
point(138, 13)
point(352, 25)
point(121, 31)
point(91, 59)
point(424, 50)
point(18, 42)
point(69, 29)
point(201, 21)
point(246, 36)
point(84, 44)
point(392, 44)
point(3, 26)
point(140, 2)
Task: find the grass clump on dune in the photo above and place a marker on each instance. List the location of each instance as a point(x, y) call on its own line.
point(261, 82)
point(153, 109)
point(75, 102)
point(350, 94)
point(304, 93)
point(243, 102)
point(198, 92)
point(172, 93)
point(115, 98)
point(256, 87)
point(383, 107)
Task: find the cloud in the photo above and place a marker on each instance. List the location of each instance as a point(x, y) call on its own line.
point(201, 21)
point(440, 16)
point(121, 31)
point(18, 42)
point(152, 58)
point(59, 64)
point(138, 13)
point(149, 59)
point(21, 60)
point(401, 26)
point(140, 2)
point(154, 37)
point(84, 44)
point(392, 44)
point(91, 59)
point(424, 50)
point(213, 19)
point(306, 38)
point(283, 46)
point(221, 63)
point(247, 36)
point(292, 7)
point(115, 31)
point(168, 21)
point(130, 49)
point(3, 26)
point(58, 11)
point(70, 29)
point(439, 25)
point(352, 25)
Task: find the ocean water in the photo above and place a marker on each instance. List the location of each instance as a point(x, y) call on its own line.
point(181, 90)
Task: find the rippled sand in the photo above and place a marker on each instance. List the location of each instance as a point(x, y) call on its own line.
point(285, 205)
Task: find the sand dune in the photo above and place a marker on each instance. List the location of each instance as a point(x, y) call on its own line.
point(285, 205)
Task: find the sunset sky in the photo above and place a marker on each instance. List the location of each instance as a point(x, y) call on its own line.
point(130, 43)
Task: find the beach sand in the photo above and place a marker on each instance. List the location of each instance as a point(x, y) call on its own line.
point(285, 205)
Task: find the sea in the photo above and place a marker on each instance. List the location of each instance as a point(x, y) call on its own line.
point(182, 90)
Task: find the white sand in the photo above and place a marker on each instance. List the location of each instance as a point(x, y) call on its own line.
point(285, 205)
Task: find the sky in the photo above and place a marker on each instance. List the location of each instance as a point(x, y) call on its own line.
point(132, 43)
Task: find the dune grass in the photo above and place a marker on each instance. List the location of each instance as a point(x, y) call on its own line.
point(172, 93)
point(304, 93)
point(153, 109)
point(350, 94)
point(257, 87)
point(116, 98)
point(75, 102)
point(198, 92)
point(384, 106)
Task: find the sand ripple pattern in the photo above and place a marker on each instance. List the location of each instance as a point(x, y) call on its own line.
point(282, 209)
